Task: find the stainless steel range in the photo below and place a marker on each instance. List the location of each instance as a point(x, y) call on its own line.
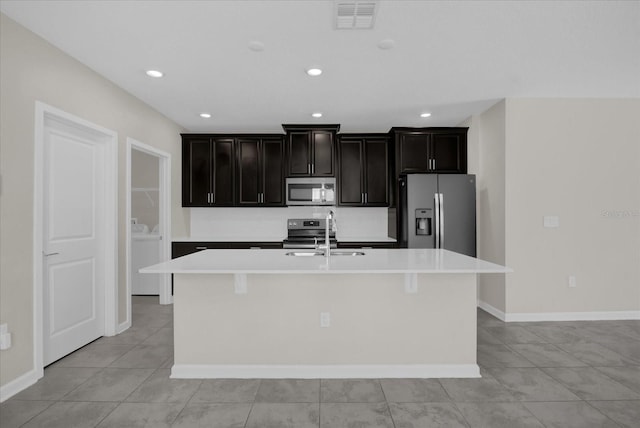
point(308, 233)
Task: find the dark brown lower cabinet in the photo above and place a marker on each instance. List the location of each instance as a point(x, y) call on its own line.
point(364, 244)
point(183, 248)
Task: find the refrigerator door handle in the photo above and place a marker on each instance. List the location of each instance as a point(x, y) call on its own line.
point(437, 222)
point(441, 196)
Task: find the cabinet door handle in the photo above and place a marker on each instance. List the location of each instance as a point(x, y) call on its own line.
point(308, 168)
point(213, 198)
point(366, 198)
point(434, 164)
point(201, 248)
point(208, 198)
point(313, 169)
point(362, 198)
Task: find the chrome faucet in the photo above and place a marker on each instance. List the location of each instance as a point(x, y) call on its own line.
point(330, 220)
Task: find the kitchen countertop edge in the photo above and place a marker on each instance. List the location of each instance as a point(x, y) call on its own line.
point(275, 261)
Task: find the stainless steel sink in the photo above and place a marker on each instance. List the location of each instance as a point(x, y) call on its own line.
point(347, 253)
point(320, 253)
point(305, 253)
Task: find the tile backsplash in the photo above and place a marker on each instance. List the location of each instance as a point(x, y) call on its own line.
point(270, 224)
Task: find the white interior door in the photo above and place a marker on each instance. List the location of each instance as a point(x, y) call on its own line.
point(73, 240)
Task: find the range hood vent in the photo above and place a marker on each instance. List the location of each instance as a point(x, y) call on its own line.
point(355, 14)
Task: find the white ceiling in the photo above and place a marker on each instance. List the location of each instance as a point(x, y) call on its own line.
point(451, 58)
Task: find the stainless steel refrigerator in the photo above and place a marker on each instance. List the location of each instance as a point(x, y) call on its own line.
point(438, 211)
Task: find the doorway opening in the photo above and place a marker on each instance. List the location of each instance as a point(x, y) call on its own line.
point(148, 217)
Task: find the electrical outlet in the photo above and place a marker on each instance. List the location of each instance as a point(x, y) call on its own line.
point(325, 319)
point(572, 281)
point(5, 337)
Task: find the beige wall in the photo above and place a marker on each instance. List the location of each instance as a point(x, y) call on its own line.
point(31, 69)
point(488, 133)
point(578, 159)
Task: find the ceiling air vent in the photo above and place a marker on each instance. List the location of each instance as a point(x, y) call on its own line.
point(355, 14)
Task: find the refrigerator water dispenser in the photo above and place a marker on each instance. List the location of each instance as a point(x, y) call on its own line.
point(423, 221)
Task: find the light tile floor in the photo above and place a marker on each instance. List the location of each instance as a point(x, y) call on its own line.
point(552, 374)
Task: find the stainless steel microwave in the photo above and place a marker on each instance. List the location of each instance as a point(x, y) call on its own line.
point(311, 191)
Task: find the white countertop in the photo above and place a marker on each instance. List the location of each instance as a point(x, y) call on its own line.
point(279, 239)
point(275, 261)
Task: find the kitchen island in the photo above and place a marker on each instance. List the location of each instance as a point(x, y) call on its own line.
point(266, 314)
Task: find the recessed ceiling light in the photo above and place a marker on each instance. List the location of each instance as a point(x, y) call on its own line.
point(314, 71)
point(256, 46)
point(425, 114)
point(154, 73)
point(205, 115)
point(317, 114)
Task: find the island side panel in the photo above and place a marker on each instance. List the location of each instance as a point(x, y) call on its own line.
point(373, 320)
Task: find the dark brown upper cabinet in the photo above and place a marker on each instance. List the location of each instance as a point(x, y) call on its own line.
point(363, 170)
point(311, 150)
point(435, 150)
point(260, 171)
point(208, 171)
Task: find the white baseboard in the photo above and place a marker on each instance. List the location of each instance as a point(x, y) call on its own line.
point(123, 326)
point(227, 371)
point(21, 383)
point(559, 316)
point(492, 310)
point(574, 316)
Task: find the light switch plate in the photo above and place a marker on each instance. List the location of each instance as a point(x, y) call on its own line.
point(325, 319)
point(551, 221)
